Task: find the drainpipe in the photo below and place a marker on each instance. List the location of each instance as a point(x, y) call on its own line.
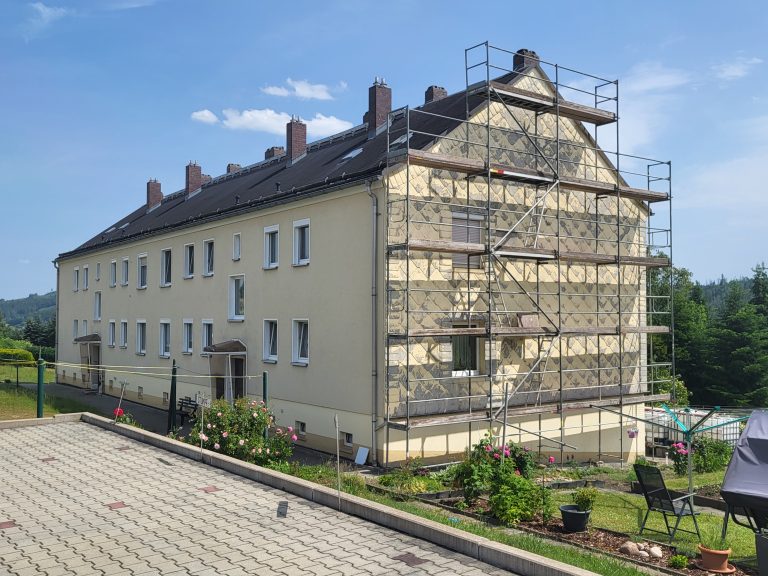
point(57, 320)
point(374, 316)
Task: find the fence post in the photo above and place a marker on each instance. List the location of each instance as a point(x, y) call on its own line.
point(264, 387)
point(40, 382)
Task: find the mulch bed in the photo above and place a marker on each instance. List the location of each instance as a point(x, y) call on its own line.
point(610, 542)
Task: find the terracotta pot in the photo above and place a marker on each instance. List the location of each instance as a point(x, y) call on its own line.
point(715, 560)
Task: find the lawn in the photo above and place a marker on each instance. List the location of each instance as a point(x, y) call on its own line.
point(22, 403)
point(699, 479)
point(26, 374)
point(624, 513)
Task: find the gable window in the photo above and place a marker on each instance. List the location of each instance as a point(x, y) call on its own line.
point(124, 279)
point(111, 334)
point(207, 334)
point(97, 277)
point(189, 261)
point(97, 306)
point(85, 277)
point(113, 273)
point(165, 267)
point(165, 339)
point(270, 341)
point(186, 337)
point(271, 246)
point(141, 271)
point(236, 247)
point(300, 342)
point(75, 328)
point(123, 333)
point(237, 297)
point(141, 337)
point(301, 242)
point(467, 228)
point(76, 279)
point(467, 354)
point(208, 258)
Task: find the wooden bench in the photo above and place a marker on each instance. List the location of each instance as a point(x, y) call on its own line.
point(187, 407)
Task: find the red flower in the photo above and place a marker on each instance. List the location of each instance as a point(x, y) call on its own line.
point(118, 412)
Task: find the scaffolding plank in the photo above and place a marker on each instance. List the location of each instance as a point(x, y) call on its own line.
point(609, 189)
point(445, 162)
point(542, 103)
point(524, 252)
point(531, 331)
point(645, 329)
point(448, 247)
point(448, 331)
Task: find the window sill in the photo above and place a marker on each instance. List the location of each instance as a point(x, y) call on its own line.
point(236, 259)
point(141, 353)
point(166, 285)
point(269, 267)
point(300, 264)
point(113, 285)
point(123, 283)
point(302, 363)
point(189, 277)
point(464, 373)
point(123, 347)
point(96, 320)
point(110, 345)
point(166, 356)
point(269, 360)
point(237, 319)
point(141, 287)
point(188, 352)
point(208, 275)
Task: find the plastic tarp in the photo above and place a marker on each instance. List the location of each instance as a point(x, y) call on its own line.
point(745, 485)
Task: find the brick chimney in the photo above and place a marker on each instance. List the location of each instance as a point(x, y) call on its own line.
point(379, 106)
point(274, 152)
point(434, 93)
point(524, 58)
point(232, 168)
point(194, 177)
point(296, 139)
point(154, 195)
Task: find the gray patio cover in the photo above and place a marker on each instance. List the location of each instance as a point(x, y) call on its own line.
point(746, 480)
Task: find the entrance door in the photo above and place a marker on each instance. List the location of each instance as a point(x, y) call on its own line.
point(94, 360)
point(237, 365)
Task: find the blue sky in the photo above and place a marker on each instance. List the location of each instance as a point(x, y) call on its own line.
point(100, 96)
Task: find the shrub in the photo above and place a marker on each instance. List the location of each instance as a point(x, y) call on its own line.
point(707, 454)
point(411, 479)
point(516, 498)
point(678, 561)
point(16, 354)
point(238, 431)
point(585, 498)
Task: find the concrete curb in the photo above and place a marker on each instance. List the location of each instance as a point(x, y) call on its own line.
point(500, 555)
point(55, 419)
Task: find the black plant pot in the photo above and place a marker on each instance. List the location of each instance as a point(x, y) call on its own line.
point(574, 520)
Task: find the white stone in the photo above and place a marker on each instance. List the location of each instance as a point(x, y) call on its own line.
point(630, 548)
point(643, 554)
point(656, 552)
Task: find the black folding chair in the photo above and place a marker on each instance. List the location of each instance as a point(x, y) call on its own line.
point(658, 499)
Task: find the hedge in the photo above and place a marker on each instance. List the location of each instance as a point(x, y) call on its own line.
point(15, 354)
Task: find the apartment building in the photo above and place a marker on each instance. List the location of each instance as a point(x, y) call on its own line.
point(474, 263)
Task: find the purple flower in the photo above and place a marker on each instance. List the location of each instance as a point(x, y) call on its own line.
point(488, 447)
point(496, 455)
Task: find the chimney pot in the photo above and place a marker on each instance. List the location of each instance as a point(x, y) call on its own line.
point(296, 139)
point(154, 195)
point(274, 152)
point(434, 93)
point(232, 168)
point(194, 177)
point(524, 58)
point(379, 106)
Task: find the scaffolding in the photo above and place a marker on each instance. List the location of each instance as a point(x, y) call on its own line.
point(518, 252)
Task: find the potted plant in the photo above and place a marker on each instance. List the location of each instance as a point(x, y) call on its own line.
point(714, 552)
point(576, 515)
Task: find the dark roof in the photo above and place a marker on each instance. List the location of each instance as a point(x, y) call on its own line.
point(325, 167)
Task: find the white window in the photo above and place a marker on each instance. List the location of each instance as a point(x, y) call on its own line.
point(85, 327)
point(111, 334)
point(301, 428)
point(165, 267)
point(141, 337)
point(113, 273)
point(76, 279)
point(467, 228)
point(301, 242)
point(270, 341)
point(98, 272)
point(208, 258)
point(189, 261)
point(236, 297)
point(141, 271)
point(467, 353)
point(97, 306)
point(165, 338)
point(271, 246)
point(206, 337)
point(75, 328)
point(300, 342)
point(236, 247)
point(186, 337)
point(85, 277)
point(348, 439)
point(123, 333)
point(124, 279)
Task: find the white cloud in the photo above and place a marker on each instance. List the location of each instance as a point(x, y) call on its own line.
point(301, 89)
point(272, 122)
point(648, 77)
point(205, 116)
point(42, 18)
point(736, 68)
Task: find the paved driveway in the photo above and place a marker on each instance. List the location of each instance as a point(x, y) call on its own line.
point(76, 499)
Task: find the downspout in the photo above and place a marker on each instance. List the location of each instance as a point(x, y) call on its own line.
point(56, 319)
point(374, 317)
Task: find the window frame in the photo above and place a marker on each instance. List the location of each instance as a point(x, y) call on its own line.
point(111, 333)
point(232, 315)
point(141, 337)
point(76, 279)
point(479, 348)
point(97, 306)
point(205, 322)
point(125, 271)
point(189, 263)
point(84, 326)
point(97, 273)
point(299, 225)
point(139, 258)
point(86, 280)
point(75, 329)
point(123, 333)
point(112, 273)
point(166, 267)
point(209, 246)
point(164, 338)
point(236, 247)
point(267, 355)
point(269, 231)
point(296, 358)
point(466, 261)
point(187, 336)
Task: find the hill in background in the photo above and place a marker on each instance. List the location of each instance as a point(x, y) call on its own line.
point(15, 312)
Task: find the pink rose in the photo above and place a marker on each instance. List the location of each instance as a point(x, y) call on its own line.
point(203, 437)
point(267, 450)
point(488, 447)
point(255, 415)
point(290, 428)
point(294, 438)
point(209, 426)
point(551, 459)
point(279, 431)
point(259, 450)
point(496, 455)
point(517, 472)
point(224, 434)
point(216, 446)
point(218, 414)
point(241, 442)
point(253, 450)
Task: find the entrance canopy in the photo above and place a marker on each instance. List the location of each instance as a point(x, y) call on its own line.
point(226, 347)
point(95, 338)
